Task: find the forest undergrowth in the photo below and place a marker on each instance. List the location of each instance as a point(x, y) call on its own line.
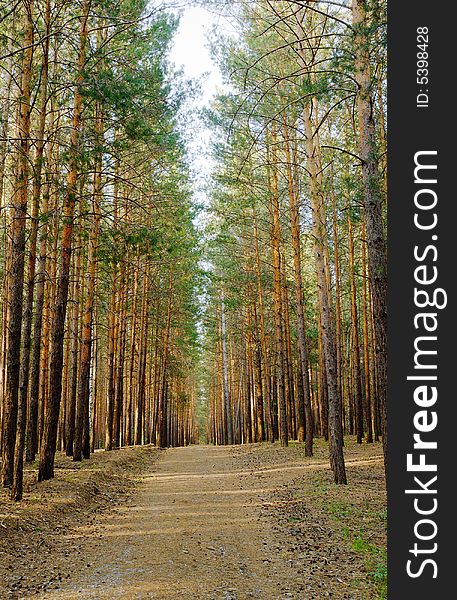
point(336, 536)
point(34, 536)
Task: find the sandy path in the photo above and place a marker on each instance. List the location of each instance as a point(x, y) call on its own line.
point(192, 531)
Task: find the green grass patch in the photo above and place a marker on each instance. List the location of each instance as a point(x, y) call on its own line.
point(379, 575)
point(375, 558)
point(382, 516)
point(375, 562)
point(340, 509)
point(295, 520)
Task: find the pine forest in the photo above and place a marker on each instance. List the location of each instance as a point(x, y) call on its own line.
point(145, 305)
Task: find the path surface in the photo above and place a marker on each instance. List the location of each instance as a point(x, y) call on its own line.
point(213, 523)
point(193, 531)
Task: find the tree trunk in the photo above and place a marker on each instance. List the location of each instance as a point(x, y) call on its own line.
point(304, 411)
point(48, 448)
point(15, 278)
point(366, 344)
point(257, 355)
point(163, 440)
point(355, 353)
point(225, 376)
point(275, 244)
point(376, 243)
point(74, 356)
point(14, 419)
point(327, 321)
point(82, 404)
point(264, 346)
point(139, 425)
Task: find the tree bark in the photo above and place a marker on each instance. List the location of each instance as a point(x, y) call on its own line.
point(327, 321)
point(15, 408)
point(48, 447)
point(225, 376)
point(376, 243)
point(15, 277)
point(277, 295)
point(82, 403)
point(355, 351)
point(366, 344)
point(306, 427)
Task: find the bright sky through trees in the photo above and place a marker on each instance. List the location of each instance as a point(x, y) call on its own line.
point(190, 52)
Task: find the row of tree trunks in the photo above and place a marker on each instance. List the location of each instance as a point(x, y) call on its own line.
point(75, 211)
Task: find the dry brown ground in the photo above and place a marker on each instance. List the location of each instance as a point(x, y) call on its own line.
point(200, 523)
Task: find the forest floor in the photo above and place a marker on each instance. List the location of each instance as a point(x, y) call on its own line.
point(200, 523)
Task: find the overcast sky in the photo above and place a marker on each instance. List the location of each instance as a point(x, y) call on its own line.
point(190, 52)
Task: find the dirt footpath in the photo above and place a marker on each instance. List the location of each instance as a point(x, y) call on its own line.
point(210, 523)
point(192, 532)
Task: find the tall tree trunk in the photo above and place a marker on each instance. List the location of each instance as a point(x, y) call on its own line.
point(355, 337)
point(95, 386)
point(143, 345)
point(16, 278)
point(257, 352)
point(74, 355)
point(48, 447)
point(28, 312)
point(277, 295)
point(288, 367)
point(366, 343)
point(376, 243)
point(327, 321)
point(120, 431)
point(264, 346)
point(37, 374)
point(301, 324)
point(339, 336)
point(5, 126)
point(226, 389)
point(133, 346)
point(163, 440)
point(82, 403)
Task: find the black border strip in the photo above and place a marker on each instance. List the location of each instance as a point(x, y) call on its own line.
point(413, 129)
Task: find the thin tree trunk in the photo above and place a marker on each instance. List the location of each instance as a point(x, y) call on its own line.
point(74, 355)
point(264, 346)
point(257, 352)
point(275, 244)
point(82, 403)
point(304, 411)
point(139, 425)
point(23, 175)
point(163, 441)
point(226, 390)
point(336, 262)
point(355, 351)
point(366, 343)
